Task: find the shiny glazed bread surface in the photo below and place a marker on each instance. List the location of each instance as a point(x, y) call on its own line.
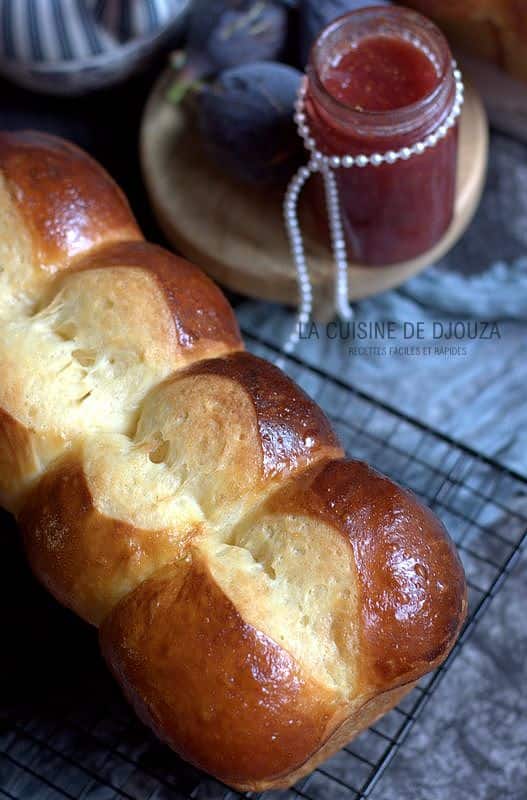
point(260, 598)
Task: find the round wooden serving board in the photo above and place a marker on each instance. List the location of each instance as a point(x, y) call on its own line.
point(236, 233)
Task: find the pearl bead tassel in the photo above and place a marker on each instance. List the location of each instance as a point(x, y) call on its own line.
point(296, 244)
point(326, 165)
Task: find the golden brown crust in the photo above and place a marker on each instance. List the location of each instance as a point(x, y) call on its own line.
point(19, 462)
point(222, 694)
point(68, 202)
point(412, 602)
point(262, 598)
point(201, 313)
point(365, 715)
point(413, 593)
point(88, 561)
point(293, 429)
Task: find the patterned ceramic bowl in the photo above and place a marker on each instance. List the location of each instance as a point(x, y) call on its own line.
point(73, 46)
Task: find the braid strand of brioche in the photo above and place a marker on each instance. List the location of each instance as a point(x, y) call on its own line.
point(260, 599)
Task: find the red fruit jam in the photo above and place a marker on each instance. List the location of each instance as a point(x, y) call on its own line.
point(381, 73)
point(379, 80)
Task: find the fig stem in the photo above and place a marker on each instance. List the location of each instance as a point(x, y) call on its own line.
point(181, 88)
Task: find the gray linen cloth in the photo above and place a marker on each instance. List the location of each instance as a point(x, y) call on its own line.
point(476, 395)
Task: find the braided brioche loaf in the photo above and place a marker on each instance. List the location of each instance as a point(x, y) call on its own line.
point(260, 599)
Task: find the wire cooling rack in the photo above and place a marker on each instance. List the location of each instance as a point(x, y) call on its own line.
point(66, 732)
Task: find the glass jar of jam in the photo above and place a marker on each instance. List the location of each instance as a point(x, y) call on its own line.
point(381, 79)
